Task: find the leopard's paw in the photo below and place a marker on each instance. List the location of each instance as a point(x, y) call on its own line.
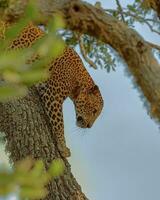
point(64, 151)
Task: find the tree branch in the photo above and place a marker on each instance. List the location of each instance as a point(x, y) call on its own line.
point(154, 46)
point(138, 18)
point(120, 10)
point(83, 52)
point(84, 18)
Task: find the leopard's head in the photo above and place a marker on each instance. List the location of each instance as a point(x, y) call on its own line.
point(88, 105)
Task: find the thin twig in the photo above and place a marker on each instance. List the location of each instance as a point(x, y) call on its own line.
point(84, 54)
point(154, 46)
point(120, 10)
point(145, 21)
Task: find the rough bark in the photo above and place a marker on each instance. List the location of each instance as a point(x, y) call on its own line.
point(28, 133)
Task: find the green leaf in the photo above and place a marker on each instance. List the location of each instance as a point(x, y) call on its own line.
point(24, 165)
point(56, 23)
point(7, 189)
point(8, 60)
point(33, 76)
point(11, 76)
point(32, 12)
point(5, 178)
point(38, 168)
point(32, 193)
point(56, 168)
point(8, 92)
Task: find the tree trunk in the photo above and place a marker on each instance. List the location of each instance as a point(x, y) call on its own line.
point(28, 133)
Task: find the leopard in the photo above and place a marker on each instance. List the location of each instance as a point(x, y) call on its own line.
point(68, 78)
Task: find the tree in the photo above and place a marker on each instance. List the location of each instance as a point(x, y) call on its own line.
point(111, 27)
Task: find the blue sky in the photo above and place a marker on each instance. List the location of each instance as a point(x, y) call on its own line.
point(118, 159)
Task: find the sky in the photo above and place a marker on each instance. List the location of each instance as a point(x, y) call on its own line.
point(118, 158)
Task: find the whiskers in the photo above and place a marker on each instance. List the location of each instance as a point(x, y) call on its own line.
point(80, 131)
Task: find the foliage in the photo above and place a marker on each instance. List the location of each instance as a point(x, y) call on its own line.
point(103, 55)
point(28, 178)
point(99, 52)
point(17, 74)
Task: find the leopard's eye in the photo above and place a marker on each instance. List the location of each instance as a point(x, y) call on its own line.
point(94, 111)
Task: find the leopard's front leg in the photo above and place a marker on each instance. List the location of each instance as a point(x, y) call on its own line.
point(58, 127)
point(61, 143)
point(53, 107)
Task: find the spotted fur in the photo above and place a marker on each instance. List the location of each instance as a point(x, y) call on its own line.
point(67, 78)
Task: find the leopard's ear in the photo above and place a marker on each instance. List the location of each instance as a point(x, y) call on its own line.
point(76, 92)
point(94, 90)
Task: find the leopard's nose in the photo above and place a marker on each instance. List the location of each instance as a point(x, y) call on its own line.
point(88, 126)
point(79, 119)
point(80, 122)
